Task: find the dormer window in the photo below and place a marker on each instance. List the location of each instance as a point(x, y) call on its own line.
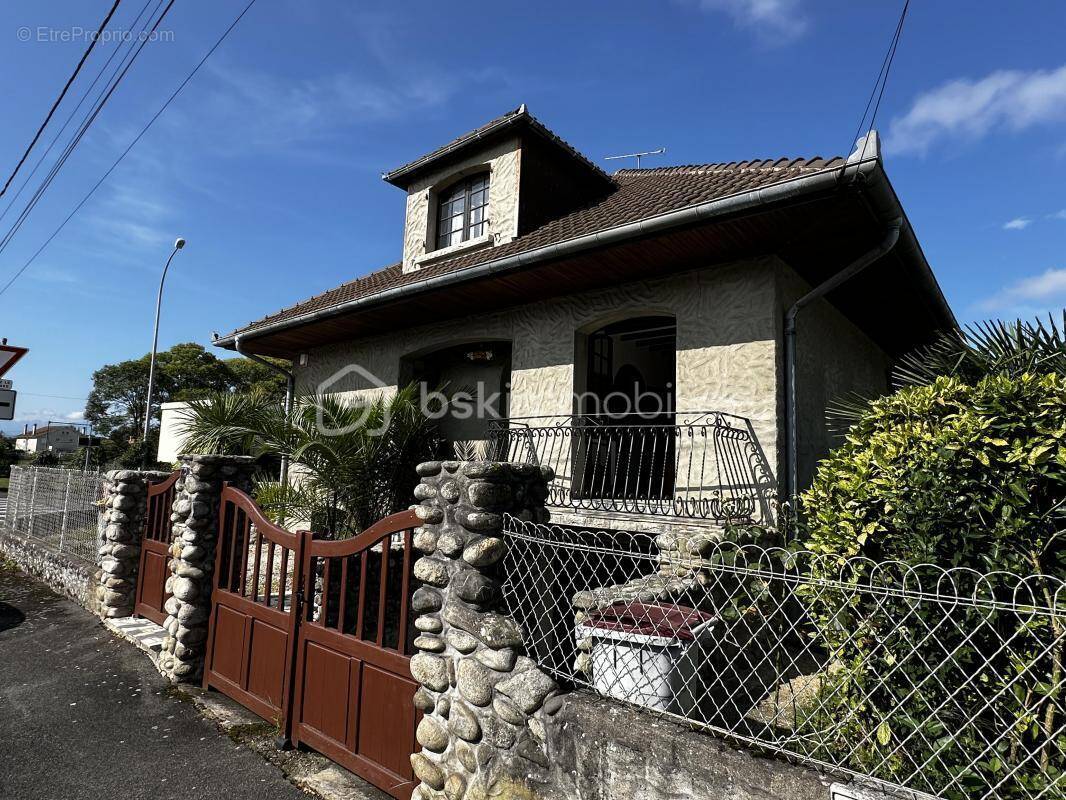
point(461, 211)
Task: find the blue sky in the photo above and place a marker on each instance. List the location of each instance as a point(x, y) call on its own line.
point(269, 163)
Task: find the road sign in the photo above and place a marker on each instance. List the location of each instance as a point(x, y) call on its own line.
point(5, 383)
point(7, 404)
point(9, 356)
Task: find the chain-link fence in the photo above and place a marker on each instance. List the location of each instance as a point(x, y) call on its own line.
point(948, 683)
point(56, 507)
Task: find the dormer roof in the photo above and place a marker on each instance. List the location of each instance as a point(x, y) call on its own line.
point(516, 122)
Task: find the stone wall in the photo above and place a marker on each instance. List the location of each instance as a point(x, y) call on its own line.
point(195, 529)
point(484, 702)
point(602, 750)
point(121, 528)
point(71, 578)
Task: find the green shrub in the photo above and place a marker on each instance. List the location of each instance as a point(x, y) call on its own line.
point(951, 474)
point(954, 475)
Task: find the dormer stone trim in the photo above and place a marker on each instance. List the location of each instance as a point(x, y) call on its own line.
point(502, 162)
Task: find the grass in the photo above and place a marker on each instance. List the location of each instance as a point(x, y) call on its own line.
point(4, 484)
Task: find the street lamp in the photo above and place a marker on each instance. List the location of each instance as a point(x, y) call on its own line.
point(178, 244)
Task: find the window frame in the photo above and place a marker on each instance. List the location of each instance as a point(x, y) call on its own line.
point(462, 188)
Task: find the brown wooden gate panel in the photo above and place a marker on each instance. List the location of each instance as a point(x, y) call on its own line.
point(154, 567)
point(254, 602)
point(353, 679)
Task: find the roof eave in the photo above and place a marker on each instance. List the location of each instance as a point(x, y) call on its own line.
point(864, 170)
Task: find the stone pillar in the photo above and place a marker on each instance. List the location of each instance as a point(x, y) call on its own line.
point(195, 525)
point(484, 701)
point(121, 526)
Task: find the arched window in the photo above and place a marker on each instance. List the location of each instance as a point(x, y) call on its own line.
point(461, 211)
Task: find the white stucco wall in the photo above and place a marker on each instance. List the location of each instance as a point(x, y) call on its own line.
point(726, 341)
point(503, 163)
point(833, 359)
point(170, 438)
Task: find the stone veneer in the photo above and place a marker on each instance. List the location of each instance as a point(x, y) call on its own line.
point(195, 528)
point(485, 704)
point(122, 512)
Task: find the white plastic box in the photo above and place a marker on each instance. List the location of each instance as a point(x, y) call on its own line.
point(637, 667)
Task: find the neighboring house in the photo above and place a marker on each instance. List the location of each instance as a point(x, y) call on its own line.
point(57, 438)
point(529, 270)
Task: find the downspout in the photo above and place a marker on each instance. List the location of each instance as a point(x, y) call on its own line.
point(290, 389)
point(844, 275)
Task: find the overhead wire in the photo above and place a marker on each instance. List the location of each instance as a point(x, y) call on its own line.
point(130, 146)
point(80, 134)
point(62, 94)
point(74, 111)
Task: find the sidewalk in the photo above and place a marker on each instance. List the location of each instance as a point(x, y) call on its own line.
point(87, 716)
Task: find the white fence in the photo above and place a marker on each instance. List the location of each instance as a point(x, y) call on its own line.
point(56, 507)
point(946, 683)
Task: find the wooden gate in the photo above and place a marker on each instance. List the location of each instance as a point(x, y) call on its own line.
point(353, 685)
point(154, 567)
point(253, 608)
point(313, 635)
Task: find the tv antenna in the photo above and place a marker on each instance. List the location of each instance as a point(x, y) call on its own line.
point(638, 156)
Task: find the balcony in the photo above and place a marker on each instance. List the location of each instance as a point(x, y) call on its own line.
point(699, 466)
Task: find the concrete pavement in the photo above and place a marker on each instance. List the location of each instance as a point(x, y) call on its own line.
point(85, 715)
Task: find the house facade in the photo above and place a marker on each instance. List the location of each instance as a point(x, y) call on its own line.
point(57, 438)
point(667, 339)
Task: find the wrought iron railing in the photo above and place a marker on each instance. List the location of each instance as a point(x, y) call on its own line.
point(701, 465)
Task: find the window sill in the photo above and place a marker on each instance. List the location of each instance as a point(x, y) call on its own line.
point(446, 252)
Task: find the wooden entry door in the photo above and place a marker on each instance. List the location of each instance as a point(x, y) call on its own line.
point(253, 608)
point(353, 677)
point(154, 566)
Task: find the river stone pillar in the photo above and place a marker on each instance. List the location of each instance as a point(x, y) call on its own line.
point(195, 528)
point(122, 512)
point(484, 702)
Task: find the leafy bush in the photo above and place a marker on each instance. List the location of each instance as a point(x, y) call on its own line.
point(951, 474)
point(954, 474)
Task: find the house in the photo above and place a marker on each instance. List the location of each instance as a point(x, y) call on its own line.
point(57, 438)
point(667, 338)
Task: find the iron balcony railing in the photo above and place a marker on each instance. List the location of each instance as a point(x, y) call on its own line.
point(701, 465)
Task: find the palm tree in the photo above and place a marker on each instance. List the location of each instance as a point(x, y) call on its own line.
point(353, 463)
point(984, 348)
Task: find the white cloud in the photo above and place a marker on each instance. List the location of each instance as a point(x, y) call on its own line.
point(1017, 224)
point(253, 111)
point(1031, 296)
point(1010, 100)
point(772, 20)
point(75, 416)
point(1058, 215)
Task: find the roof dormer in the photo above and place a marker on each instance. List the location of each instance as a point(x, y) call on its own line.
point(490, 186)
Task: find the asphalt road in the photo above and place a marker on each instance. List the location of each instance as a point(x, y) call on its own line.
point(84, 715)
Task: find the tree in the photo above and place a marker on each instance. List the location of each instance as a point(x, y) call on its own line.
point(254, 378)
point(9, 456)
point(116, 404)
point(355, 461)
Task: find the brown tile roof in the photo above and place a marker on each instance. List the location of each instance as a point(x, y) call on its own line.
point(638, 194)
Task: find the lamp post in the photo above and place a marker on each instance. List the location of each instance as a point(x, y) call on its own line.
point(178, 244)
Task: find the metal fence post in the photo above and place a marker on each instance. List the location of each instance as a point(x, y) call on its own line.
point(33, 502)
point(66, 508)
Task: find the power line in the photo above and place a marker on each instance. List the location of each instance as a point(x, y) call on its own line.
point(881, 83)
point(131, 145)
point(87, 121)
point(74, 111)
point(62, 94)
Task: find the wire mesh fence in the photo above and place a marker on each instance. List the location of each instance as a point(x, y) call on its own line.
point(56, 507)
point(945, 682)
